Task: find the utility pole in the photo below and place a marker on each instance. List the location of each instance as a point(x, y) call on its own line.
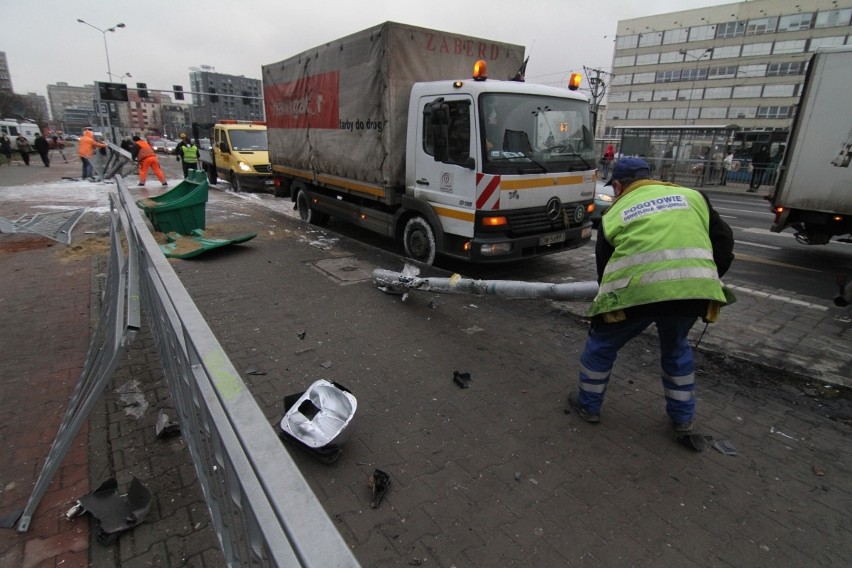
point(597, 88)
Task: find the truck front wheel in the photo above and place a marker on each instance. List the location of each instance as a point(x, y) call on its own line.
point(419, 240)
point(236, 185)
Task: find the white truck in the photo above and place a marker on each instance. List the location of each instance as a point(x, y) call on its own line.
point(405, 131)
point(814, 190)
point(13, 128)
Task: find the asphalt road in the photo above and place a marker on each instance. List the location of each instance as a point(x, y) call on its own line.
point(768, 259)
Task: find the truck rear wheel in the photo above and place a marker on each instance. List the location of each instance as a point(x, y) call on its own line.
point(307, 213)
point(419, 240)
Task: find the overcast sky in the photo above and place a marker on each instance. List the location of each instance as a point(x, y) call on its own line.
point(162, 39)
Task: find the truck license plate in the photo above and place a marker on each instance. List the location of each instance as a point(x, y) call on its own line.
point(268, 182)
point(551, 239)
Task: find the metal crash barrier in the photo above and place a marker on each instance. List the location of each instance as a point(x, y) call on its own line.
point(262, 508)
point(117, 326)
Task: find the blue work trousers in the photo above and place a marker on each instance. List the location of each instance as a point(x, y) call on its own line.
point(603, 343)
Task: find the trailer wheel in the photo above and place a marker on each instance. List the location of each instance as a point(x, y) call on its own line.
point(307, 213)
point(419, 240)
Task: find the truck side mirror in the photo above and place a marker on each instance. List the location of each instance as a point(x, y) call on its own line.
point(438, 113)
point(223, 146)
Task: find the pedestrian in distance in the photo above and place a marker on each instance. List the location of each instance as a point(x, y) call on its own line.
point(187, 154)
point(59, 145)
point(727, 164)
point(24, 148)
point(147, 158)
point(759, 161)
point(42, 146)
point(660, 254)
point(606, 161)
point(6, 148)
point(86, 150)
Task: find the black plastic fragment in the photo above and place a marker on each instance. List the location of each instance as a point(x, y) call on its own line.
point(461, 379)
point(379, 482)
point(114, 513)
point(166, 427)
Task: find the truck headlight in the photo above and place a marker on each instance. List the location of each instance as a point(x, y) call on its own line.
point(495, 249)
point(245, 167)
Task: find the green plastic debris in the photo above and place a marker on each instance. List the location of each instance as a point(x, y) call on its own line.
point(196, 243)
point(182, 208)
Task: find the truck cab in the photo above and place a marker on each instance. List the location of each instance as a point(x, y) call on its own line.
point(507, 169)
point(237, 151)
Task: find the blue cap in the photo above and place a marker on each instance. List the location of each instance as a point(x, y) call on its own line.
point(629, 168)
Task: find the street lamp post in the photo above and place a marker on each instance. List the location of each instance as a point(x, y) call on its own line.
point(109, 69)
point(122, 77)
point(106, 49)
point(694, 77)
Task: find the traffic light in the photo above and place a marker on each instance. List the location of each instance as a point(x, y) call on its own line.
point(112, 91)
point(246, 98)
point(178, 92)
point(143, 90)
point(214, 98)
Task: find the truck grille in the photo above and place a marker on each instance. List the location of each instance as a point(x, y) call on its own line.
point(535, 220)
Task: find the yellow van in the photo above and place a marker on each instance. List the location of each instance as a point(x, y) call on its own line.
point(238, 154)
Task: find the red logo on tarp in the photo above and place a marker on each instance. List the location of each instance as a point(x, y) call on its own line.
point(309, 102)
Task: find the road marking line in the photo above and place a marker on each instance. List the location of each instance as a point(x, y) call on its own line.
point(778, 297)
point(748, 257)
point(773, 247)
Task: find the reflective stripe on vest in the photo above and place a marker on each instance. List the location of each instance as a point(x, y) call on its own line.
point(663, 252)
point(661, 276)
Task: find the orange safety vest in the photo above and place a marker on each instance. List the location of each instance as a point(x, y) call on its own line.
point(145, 150)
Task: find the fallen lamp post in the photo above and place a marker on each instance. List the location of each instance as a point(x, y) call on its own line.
point(407, 280)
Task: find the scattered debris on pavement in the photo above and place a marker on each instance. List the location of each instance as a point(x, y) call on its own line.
point(461, 379)
point(114, 513)
point(379, 482)
point(317, 419)
point(165, 427)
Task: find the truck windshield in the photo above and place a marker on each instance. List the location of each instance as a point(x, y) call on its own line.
point(526, 133)
point(248, 140)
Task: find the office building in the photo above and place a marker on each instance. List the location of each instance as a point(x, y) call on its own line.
point(739, 64)
point(5, 77)
point(224, 96)
point(72, 108)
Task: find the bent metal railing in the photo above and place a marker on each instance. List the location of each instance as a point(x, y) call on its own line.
point(263, 509)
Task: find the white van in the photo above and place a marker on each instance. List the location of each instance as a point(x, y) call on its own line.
point(13, 128)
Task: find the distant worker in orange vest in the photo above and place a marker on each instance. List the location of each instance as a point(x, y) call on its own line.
point(86, 151)
point(144, 154)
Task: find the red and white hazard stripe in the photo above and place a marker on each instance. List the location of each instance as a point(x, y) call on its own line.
point(487, 192)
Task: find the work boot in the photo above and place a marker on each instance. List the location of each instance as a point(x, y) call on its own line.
point(165, 184)
point(683, 427)
point(584, 414)
point(141, 184)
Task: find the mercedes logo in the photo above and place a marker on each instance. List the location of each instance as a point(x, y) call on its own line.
point(553, 208)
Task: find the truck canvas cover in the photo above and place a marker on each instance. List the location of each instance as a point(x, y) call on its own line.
point(341, 108)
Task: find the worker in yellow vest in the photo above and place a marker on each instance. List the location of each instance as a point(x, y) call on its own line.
point(661, 251)
point(187, 154)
